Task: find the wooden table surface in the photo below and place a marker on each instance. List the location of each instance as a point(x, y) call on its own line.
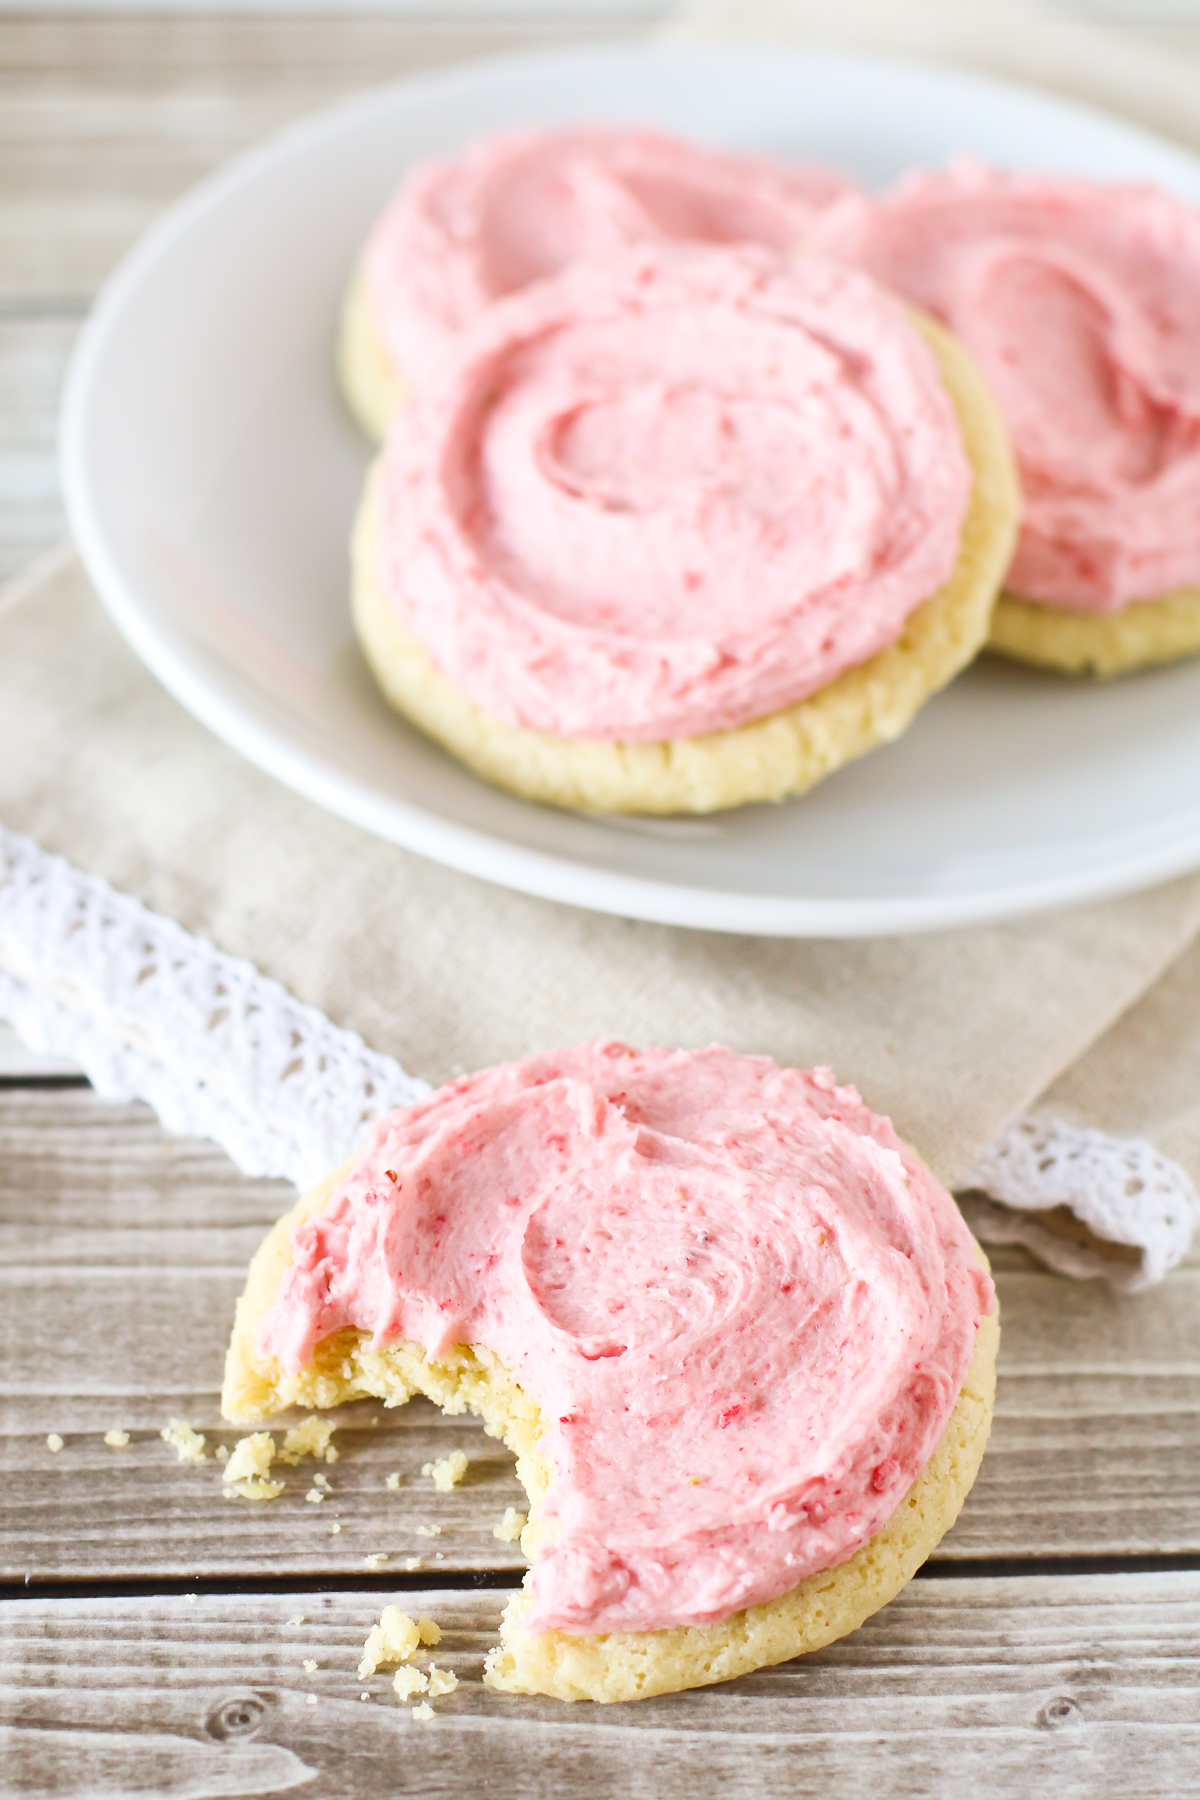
point(153, 1634)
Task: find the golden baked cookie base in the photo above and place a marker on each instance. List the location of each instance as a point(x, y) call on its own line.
point(1144, 632)
point(615, 1665)
point(770, 758)
point(366, 374)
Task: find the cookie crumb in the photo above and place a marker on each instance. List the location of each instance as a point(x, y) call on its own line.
point(297, 1619)
point(430, 1633)
point(314, 1496)
point(311, 1698)
point(222, 1453)
point(393, 1481)
point(188, 1444)
point(422, 1712)
point(413, 1563)
point(255, 1490)
point(446, 1471)
point(323, 1482)
point(392, 1641)
point(334, 1529)
point(511, 1526)
point(116, 1439)
point(441, 1681)
point(246, 1471)
point(364, 1696)
point(309, 1439)
point(309, 1664)
point(251, 1456)
point(375, 1560)
point(54, 1442)
point(429, 1531)
point(409, 1681)
point(190, 1598)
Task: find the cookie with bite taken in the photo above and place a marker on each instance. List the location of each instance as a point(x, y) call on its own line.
point(738, 1336)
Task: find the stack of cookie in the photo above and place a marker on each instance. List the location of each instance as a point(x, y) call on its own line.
point(697, 480)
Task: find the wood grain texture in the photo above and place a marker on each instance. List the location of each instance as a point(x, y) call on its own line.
point(122, 1252)
point(33, 360)
point(104, 120)
point(1084, 1686)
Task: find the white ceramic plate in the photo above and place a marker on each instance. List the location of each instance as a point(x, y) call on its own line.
point(211, 477)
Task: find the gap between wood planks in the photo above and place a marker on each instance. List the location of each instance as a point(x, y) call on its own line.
point(42, 1082)
point(979, 1569)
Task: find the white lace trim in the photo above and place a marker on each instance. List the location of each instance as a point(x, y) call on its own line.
point(152, 1013)
point(1120, 1189)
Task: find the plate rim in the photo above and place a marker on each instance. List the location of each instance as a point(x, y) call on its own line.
point(490, 856)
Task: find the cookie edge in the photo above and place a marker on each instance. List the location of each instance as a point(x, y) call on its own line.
point(1136, 636)
point(620, 1666)
point(825, 1606)
point(367, 377)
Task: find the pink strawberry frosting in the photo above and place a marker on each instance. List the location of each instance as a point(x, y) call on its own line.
point(743, 1307)
point(514, 208)
point(671, 491)
point(1080, 302)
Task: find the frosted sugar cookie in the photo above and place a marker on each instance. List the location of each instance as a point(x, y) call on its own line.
point(682, 529)
point(737, 1335)
point(1079, 302)
point(514, 208)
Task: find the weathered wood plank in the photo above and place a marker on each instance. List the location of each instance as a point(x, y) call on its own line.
point(105, 118)
point(33, 359)
point(1086, 1686)
point(103, 121)
point(1097, 1433)
point(122, 1252)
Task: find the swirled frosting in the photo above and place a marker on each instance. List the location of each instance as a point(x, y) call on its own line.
point(743, 1307)
point(1080, 302)
point(517, 207)
point(670, 491)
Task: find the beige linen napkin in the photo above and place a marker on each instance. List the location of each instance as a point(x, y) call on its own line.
point(1142, 1078)
point(953, 1034)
